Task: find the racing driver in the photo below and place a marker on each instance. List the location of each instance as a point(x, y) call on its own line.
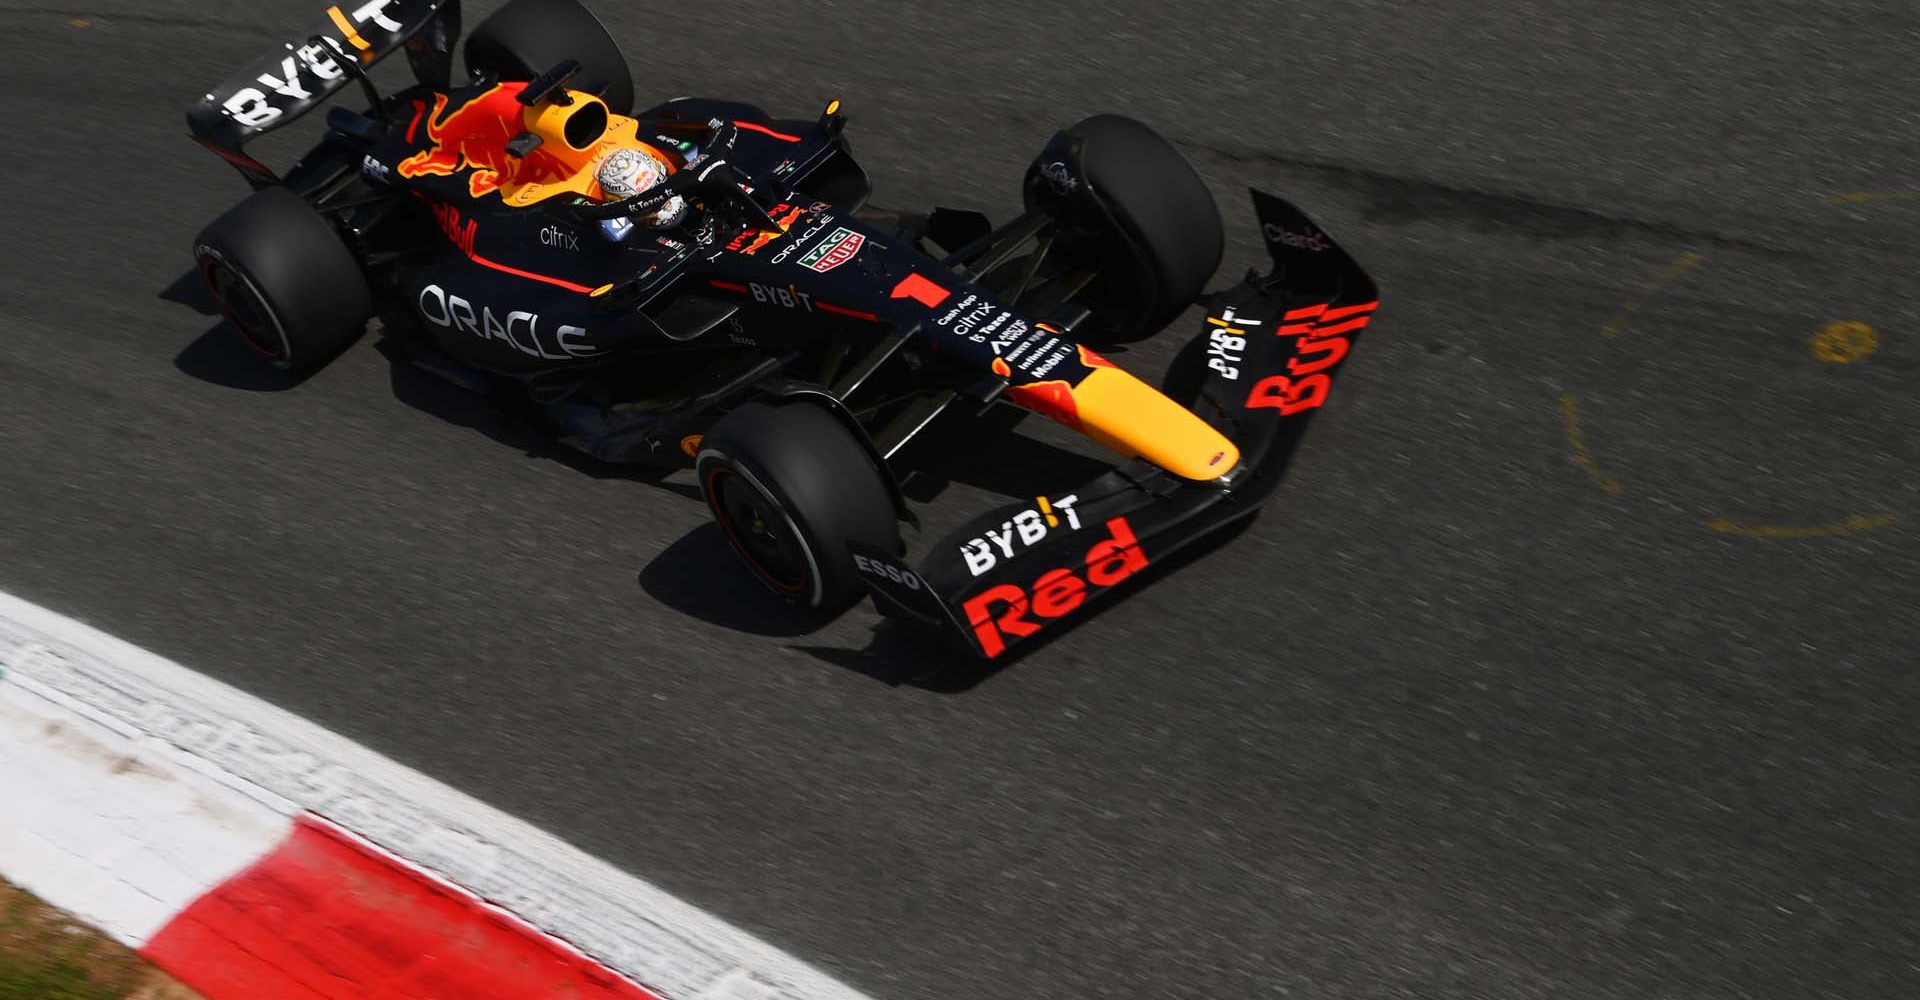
point(629, 170)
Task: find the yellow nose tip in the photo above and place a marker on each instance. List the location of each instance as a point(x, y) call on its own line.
point(1133, 418)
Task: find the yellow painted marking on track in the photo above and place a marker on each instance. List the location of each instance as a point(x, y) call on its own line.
point(1844, 342)
point(80, 22)
point(346, 28)
point(1577, 441)
point(1674, 271)
point(1856, 197)
point(1839, 342)
point(1851, 526)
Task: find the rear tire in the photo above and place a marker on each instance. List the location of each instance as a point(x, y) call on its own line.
point(285, 280)
point(792, 489)
point(528, 37)
point(1129, 203)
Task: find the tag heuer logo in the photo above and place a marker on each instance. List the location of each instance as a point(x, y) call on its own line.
point(838, 248)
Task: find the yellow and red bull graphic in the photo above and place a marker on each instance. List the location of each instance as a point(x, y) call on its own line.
point(474, 137)
point(1051, 398)
point(1009, 609)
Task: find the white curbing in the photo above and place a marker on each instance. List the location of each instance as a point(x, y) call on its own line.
point(128, 781)
point(124, 841)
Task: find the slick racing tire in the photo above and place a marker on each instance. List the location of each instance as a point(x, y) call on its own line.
point(284, 278)
point(528, 37)
point(1129, 204)
point(792, 488)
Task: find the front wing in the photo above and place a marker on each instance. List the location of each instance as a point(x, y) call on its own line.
point(1258, 371)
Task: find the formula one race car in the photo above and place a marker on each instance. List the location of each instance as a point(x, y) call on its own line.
point(747, 315)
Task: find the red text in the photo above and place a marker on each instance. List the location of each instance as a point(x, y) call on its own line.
point(1011, 610)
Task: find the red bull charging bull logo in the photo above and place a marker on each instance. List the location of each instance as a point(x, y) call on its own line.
point(474, 136)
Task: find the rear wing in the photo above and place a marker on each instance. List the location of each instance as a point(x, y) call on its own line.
point(284, 85)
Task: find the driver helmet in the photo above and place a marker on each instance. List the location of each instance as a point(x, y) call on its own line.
point(627, 171)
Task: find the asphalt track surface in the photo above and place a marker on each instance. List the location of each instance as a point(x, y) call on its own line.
point(1576, 659)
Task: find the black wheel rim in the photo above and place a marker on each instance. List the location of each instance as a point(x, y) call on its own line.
point(759, 530)
point(243, 308)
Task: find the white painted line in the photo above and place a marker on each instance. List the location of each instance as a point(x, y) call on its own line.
point(227, 747)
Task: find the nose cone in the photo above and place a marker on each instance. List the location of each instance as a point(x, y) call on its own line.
point(1133, 418)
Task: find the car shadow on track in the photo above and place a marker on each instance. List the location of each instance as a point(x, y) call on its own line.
point(700, 577)
point(510, 422)
point(188, 290)
point(216, 356)
point(902, 655)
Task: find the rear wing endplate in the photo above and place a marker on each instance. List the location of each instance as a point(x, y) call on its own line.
point(284, 85)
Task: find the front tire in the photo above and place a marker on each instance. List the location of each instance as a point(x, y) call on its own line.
point(1131, 205)
point(284, 278)
point(793, 489)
